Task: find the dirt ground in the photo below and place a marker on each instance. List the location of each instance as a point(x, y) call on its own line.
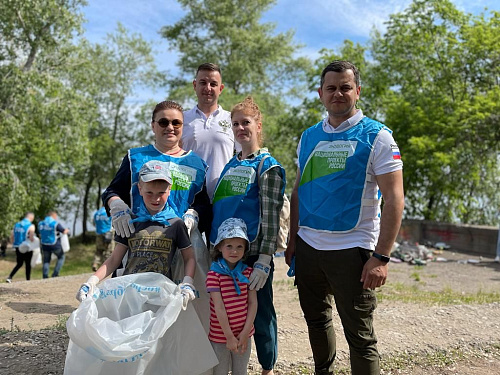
point(413, 338)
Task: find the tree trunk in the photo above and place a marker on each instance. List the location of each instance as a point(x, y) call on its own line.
point(88, 186)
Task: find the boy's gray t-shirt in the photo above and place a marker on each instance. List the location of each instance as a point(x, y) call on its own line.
point(152, 246)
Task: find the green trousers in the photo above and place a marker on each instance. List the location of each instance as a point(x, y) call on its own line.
point(323, 277)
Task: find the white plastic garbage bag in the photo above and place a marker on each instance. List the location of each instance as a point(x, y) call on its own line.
point(202, 302)
point(135, 324)
point(29, 245)
point(36, 257)
point(65, 242)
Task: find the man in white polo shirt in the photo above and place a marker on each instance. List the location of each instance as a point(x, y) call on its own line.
point(207, 129)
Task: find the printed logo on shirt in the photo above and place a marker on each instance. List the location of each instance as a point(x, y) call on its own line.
point(396, 155)
point(225, 125)
point(144, 241)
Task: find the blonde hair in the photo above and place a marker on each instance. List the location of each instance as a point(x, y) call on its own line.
point(249, 107)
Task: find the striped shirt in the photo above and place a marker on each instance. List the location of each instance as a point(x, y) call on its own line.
point(236, 305)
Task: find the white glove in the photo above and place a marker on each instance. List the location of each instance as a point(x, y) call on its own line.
point(260, 272)
point(187, 290)
point(120, 213)
point(191, 220)
point(87, 289)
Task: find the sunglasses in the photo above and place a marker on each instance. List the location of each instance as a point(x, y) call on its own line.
point(164, 122)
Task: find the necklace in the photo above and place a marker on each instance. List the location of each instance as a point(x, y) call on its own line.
point(175, 152)
point(170, 152)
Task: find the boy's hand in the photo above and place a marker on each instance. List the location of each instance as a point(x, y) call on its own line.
point(260, 272)
point(187, 289)
point(87, 289)
point(191, 220)
point(120, 214)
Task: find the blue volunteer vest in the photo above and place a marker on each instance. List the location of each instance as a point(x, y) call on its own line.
point(48, 231)
point(102, 221)
point(187, 171)
point(237, 193)
point(21, 231)
point(333, 169)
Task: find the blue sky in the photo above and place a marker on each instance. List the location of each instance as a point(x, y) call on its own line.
point(317, 23)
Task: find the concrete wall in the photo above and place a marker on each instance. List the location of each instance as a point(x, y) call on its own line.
point(472, 239)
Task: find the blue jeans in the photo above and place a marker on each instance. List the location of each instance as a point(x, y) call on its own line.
point(47, 253)
point(266, 326)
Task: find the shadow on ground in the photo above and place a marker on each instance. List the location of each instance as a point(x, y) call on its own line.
point(40, 308)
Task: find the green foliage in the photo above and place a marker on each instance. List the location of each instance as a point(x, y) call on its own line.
point(64, 113)
point(108, 74)
point(251, 55)
point(42, 119)
point(441, 99)
point(254, 59)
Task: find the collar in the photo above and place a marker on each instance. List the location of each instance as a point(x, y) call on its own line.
point(220, 266)
point(214, 113)
point(347, 124)
point(254, 154)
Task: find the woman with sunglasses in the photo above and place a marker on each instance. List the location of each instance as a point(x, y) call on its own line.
point(188, 172)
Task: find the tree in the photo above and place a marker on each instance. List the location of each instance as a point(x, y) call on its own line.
point(64, 115)
point(252, 57)
point(285, 136)
point(43, 122)
point(441, 68)
point(108, 74)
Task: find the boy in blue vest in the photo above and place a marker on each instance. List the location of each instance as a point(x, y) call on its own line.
point(104, 237)
point(50, 239)
point(158, 234)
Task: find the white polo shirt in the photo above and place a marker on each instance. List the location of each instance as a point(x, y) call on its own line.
point(212, 139)
point(382, 161)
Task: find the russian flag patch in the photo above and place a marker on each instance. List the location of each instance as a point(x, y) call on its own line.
point(396, 155)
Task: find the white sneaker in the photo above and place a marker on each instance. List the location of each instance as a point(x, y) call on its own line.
point(497, 259)
point(9, 280)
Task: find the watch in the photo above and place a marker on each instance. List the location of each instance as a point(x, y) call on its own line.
point(382, 258)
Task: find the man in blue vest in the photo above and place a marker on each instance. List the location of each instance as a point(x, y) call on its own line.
point(50, 232)
point(23, 230)
point(104, 237)
point(340, 240)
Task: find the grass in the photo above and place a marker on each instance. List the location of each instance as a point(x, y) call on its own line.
point(60, 323)
point(404, 362)
point(412, 294)
point(78, 260)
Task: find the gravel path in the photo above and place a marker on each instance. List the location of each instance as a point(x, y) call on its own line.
point(413, 338)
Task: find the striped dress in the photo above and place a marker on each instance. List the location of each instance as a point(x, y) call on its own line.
point(236, 305)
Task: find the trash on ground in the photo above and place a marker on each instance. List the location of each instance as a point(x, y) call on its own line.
point(441, 246)
point(412, 253)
